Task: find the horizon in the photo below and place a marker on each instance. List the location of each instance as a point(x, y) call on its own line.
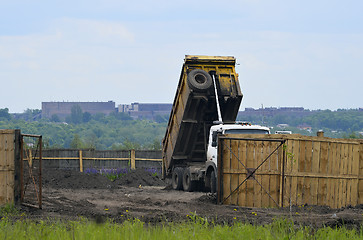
point(241, 108)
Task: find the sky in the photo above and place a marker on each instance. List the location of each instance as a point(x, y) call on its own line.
point(289, 53)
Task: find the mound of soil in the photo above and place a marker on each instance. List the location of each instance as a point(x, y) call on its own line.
point(139, 177)
point(66, 179)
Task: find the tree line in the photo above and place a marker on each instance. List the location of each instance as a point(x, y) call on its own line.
point(116, 131)
point(342, 120)
point(119, 131)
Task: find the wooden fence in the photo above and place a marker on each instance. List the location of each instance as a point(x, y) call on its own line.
point(9, 166)
point(76, 159)
point(286, 170)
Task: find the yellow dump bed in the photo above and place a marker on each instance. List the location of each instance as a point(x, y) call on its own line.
point(194, 108)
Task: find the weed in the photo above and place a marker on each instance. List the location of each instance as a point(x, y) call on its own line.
point(8, 210)
point(196, 228)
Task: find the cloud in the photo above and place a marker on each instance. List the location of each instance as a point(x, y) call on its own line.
point(69, 54)
point(67, 43)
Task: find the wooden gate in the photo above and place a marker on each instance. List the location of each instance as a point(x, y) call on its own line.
point(250, 171)
point(31, 169)
point(286, 170)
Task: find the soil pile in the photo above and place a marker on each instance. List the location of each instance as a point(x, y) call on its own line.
point(66, 179)
point(138, 177)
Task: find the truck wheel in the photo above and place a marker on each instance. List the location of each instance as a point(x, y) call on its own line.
point(177, 178)
point(199, 80)
point(188, 184)
point(213, 182)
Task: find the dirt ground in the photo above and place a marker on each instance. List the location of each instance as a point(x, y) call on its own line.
point(139, 194)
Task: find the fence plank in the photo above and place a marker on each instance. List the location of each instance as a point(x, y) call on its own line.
point(226, 167)
point(331, 159)
point(345, 172)
point(274, 172)
point(323, 164)
point(355, 172)
point(337, 171)
point(295, 190)
point(242, 198)
point(301, 180)
point(234, 166)
point(280, 180)
point(266, 177)
point(258, 188)
point(3, 188)
point(315, 169)
point(250, 181)
point(360, 183)
point(7, 166)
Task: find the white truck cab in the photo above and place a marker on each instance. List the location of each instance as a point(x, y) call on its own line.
point(237, 128)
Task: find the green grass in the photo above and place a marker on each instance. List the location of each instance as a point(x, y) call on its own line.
point(196, 228)
point(8, 210)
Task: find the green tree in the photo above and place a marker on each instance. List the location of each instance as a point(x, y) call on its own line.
point(353, 135)
point(127, 144)
point(161, 119)
point(4, 114)
point(31, 114)
point(76, 114)
point(76, 142)
point(155, 145)
point(86, 117)
point(121, 116)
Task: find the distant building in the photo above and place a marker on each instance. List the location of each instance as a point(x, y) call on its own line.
point(63, 109)
point(283, 132)
point(145, 110)
point(273, 111)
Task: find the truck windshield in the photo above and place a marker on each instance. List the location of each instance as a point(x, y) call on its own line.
point(246, 131)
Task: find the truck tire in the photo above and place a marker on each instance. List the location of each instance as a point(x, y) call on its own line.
point(177, 178)
point(199, 80)
point(213, 182)
point(188, 184)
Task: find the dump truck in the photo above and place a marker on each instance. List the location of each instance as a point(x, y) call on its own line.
point(206, 104)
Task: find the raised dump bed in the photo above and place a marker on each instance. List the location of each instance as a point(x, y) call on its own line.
point(194, 109)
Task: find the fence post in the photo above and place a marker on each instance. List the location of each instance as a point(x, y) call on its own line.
point(30, 160)
point(132, 156)
point(80, 161)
